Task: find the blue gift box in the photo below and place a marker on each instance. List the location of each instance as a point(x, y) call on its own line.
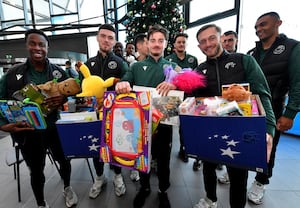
point(238, 141)
point(81, 139)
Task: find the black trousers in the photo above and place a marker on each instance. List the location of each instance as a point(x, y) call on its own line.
point(262, 177)
point(238, 184)
point(99, 167)
point(33, 145)
point(161, 150)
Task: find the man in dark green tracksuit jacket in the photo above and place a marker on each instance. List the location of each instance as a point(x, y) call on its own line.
point(222, 68)
point(150, 73)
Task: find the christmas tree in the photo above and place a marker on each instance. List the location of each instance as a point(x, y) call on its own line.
point(144, 13)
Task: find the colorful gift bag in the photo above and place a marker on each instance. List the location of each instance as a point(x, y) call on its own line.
point(126, 130)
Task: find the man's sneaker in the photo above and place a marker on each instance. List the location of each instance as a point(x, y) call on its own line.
point(70, 196)
point(220, 167)
point(119, 184)
point(163, 200)
point(140, 198)
point(224, 178)
point(45, 206)
point(206, 203)
point(197, 165)
point(183, 156)
point(134, 175)
point(256, 192)
point(100, 181)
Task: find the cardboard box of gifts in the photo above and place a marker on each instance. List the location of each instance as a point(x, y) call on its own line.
point(238, 141)
point(79, 134)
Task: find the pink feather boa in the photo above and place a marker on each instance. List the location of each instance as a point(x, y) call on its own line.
point(186, 80)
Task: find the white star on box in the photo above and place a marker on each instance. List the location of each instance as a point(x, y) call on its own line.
point(95, 140)
point(94, 147)
point(229, 152)
point(232, 143)
point(225, 137)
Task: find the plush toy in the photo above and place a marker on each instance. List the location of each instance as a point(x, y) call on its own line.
point(186, 80)
point(67, 87)
point(93, 85)
point(236, 92)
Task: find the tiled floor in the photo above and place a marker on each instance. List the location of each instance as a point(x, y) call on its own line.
point(186, 185)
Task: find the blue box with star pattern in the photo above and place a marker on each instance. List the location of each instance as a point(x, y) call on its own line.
point(80, 139)
point(238, 141)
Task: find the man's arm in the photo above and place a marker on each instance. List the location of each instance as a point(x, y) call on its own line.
point(259, 85)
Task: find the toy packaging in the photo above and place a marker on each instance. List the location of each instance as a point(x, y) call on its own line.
point(17, 111)
point(126, 130)
point(166, 105)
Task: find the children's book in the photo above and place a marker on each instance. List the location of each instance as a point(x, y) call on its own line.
point(17, 111)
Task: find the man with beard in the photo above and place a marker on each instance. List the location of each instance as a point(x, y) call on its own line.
point(278, 57)
point(150, 73)
point(243, 69)
point(105, 65)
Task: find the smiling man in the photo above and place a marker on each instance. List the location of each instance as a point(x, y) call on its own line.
point(150, 73)
point(243, 69)
point(278, 57)
point(106, 64)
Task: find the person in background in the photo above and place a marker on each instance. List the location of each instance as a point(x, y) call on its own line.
point(278, 57)
point(141, 45)
point(243, 69)
point(106, 64)
point(230, 41)
point(129, 53)
point(184, 60)
point(80, 76)
point(118, 49)
point(150, 73)
point(33, 143)
point(70, 71)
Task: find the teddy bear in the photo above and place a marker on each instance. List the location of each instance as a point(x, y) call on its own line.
point(67, 87)
point(236, 92)
point(93, 85)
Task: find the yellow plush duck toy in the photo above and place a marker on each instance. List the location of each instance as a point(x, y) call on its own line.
point(93, 85)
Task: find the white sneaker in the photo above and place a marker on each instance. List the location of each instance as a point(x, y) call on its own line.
point(70, 196)
point(46, 205)
point(224, 178)
point(134, 175)
point(206, 203)
point(256, 192)
point(119, 184)
point(100, 181)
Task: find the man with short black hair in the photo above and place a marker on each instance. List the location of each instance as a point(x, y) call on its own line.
point(70, 71)
point(33, 143)
point(106, 64)
point(278, 57)
point(230, 41)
